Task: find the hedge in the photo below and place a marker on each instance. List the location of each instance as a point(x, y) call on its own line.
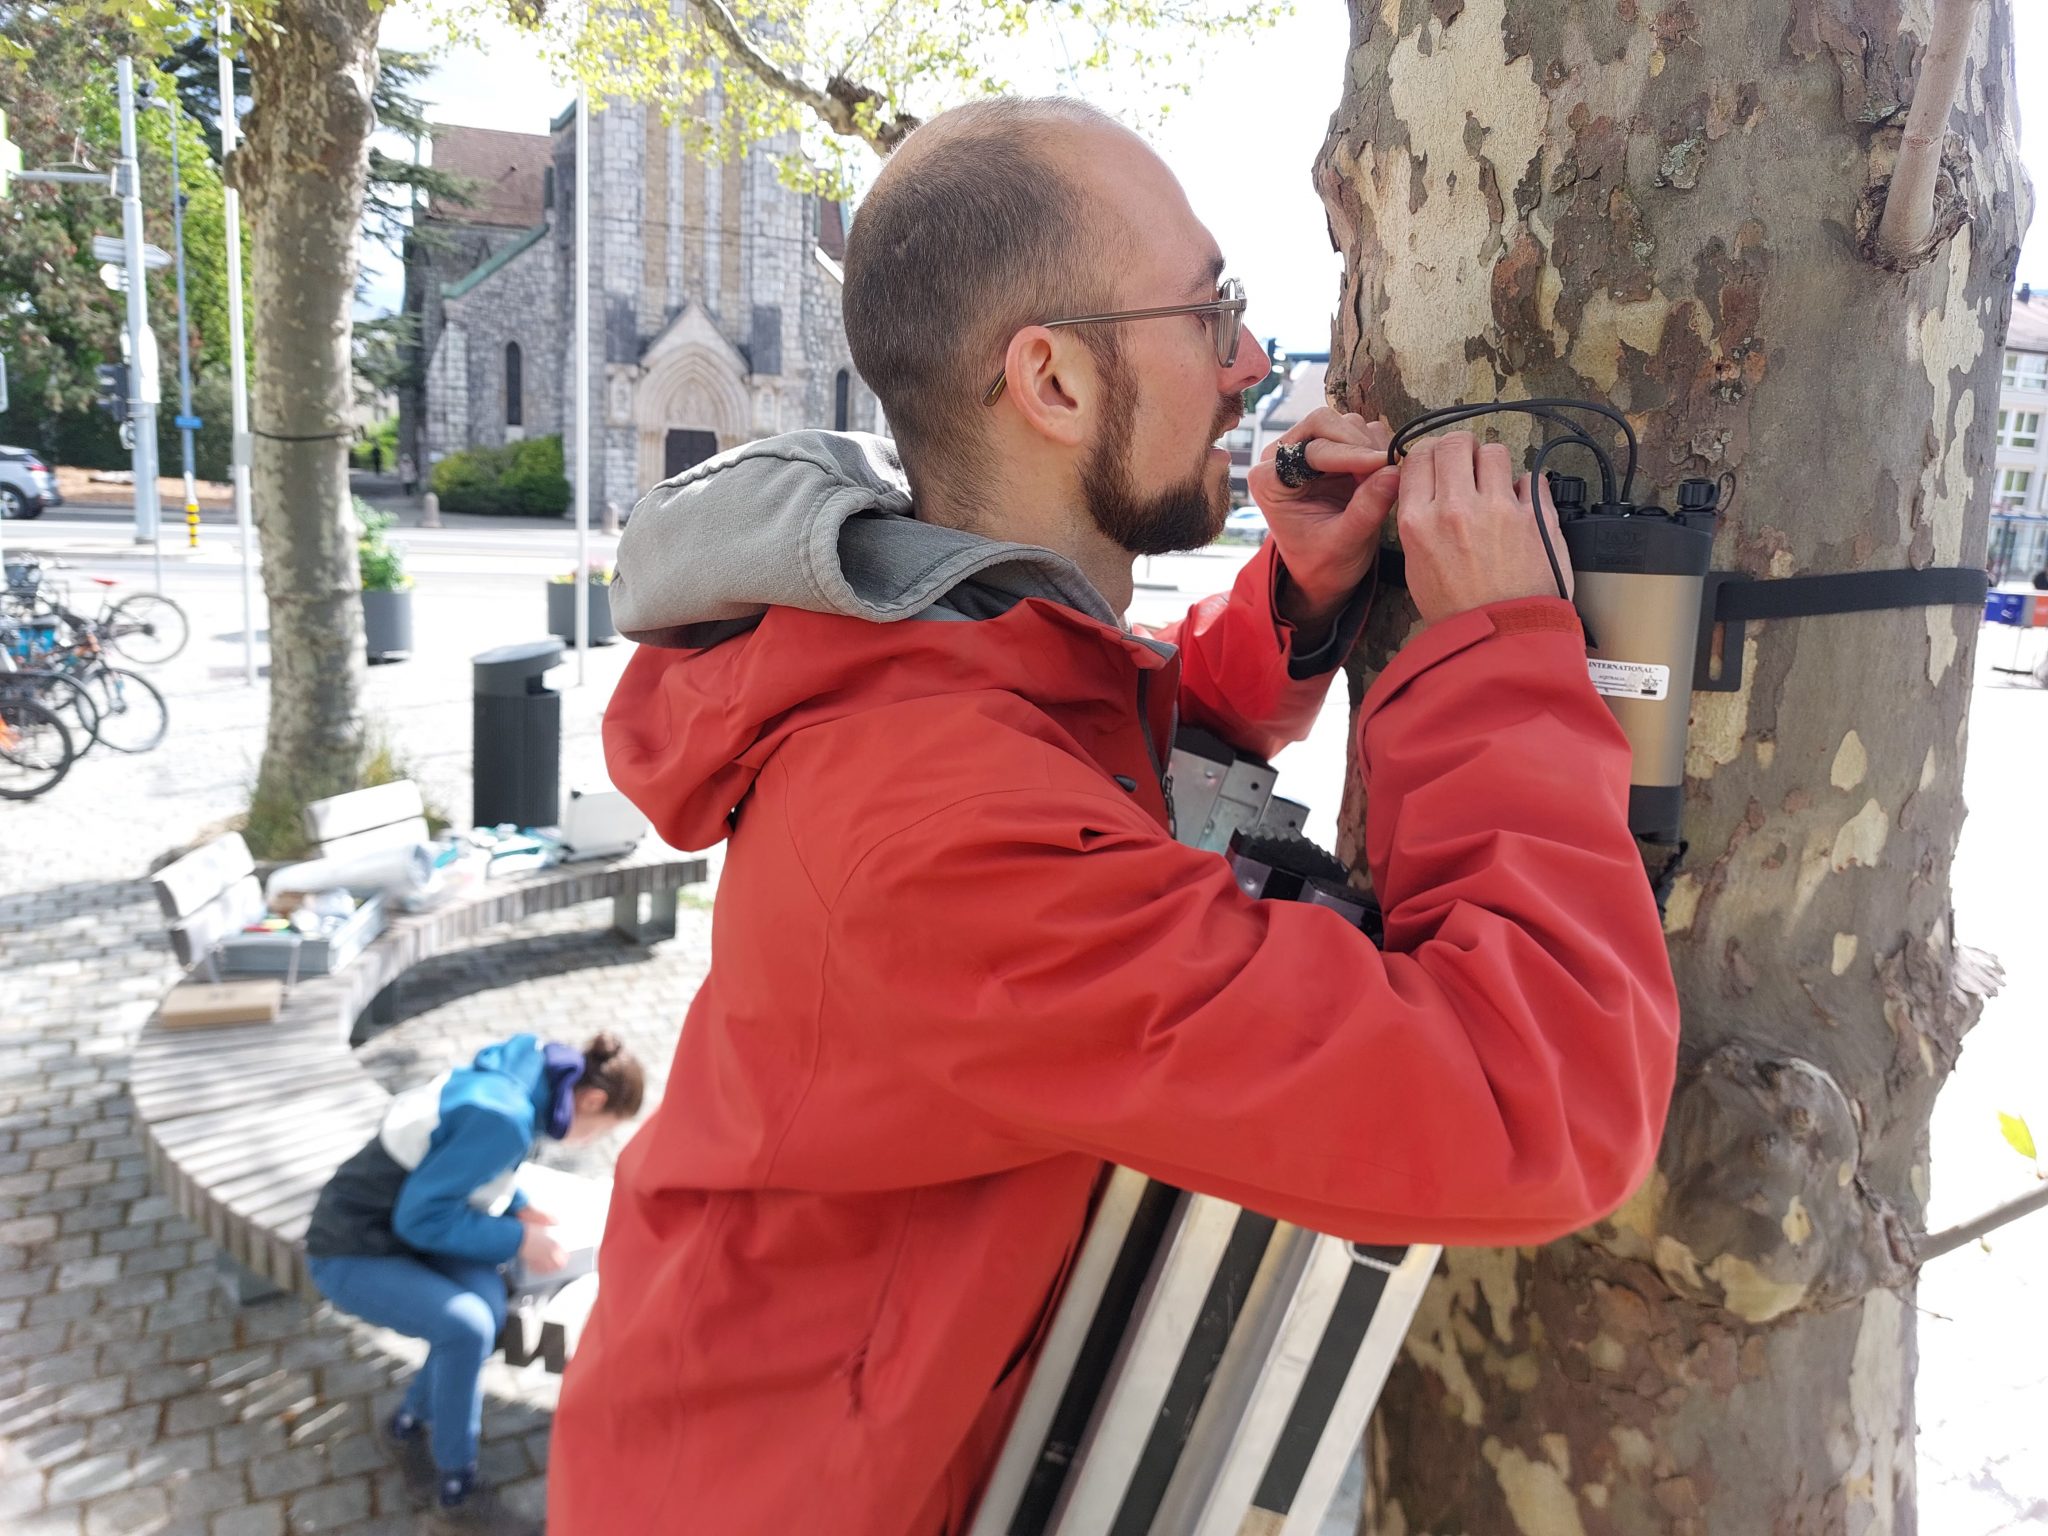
point(523, 479)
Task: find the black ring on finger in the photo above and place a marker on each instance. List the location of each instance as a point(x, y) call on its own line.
point(1291, 464)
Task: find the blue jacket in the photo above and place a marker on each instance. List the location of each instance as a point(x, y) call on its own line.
point(438, 1177)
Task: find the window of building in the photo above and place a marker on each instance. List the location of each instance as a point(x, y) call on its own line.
point(2019, 429)
point(2014, 487)
point(842, 401)
point(515, 387)
point(2026, 370)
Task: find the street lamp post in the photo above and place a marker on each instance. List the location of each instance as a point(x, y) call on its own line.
point(238, 367)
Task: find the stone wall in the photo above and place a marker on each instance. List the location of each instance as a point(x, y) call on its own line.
point(515, 304)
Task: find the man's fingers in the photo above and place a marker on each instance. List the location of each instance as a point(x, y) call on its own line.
point(1418, 474)
point(1328, 423)
point(1345, 458)
point(1496, 471)
point(1457, 473)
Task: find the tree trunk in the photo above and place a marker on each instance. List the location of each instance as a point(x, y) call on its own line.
point(303, 170)
point(1672, 210)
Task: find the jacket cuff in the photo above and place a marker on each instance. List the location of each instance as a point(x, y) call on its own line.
point(1447, 637)
point(1311, 656)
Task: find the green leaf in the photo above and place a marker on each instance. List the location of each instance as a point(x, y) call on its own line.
point(2015, 1131)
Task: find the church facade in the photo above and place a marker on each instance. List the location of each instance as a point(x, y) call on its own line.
point(714, 303)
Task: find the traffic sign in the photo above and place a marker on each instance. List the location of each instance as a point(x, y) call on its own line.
point(182, 422)
point(10, 158)
point(109, 248)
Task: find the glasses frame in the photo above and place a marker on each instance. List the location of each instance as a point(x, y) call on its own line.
point(1229, 301)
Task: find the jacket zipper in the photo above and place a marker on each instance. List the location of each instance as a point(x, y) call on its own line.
point(1159, 769)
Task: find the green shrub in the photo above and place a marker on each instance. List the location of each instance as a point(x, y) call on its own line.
point(523, 479)
point(380, 563)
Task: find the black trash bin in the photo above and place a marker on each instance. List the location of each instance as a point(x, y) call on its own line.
point(516, 744)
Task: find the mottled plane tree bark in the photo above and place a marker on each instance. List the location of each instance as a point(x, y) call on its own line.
point(1674, 207)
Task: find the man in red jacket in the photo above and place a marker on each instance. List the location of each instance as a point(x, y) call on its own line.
point(959, 964)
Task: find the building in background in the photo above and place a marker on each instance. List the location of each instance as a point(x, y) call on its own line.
point(714, 302)
point(2019, 493)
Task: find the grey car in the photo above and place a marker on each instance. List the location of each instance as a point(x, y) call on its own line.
point(27, 484)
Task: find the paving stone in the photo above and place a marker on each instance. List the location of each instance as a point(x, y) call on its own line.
point(49, 1522)
point(206, 1493)
point(202, 1410)
point(130, 1429)
point(88, 1477)
point(48, 1446)
point(287, 1472)
point(28, 1229)
point(69, 1369)
point(62, 1307)
point(131, 1354)
point(201, 1341)
point(265, 1519)
point(156, 1383)
point(29, 1343)
point(330, 1507)
point(234, 1444)
point(90, 1399)
point(138, 1512)
point(169, 1459)
point(25, 1282)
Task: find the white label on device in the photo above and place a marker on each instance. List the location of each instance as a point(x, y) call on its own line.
point(1629, 679)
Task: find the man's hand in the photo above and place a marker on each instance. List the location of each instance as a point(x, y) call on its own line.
point(1329, 530)
point(1469, 531)
point(541, 1254)
point(534, 1217)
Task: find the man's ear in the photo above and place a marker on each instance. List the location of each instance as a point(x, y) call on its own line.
point(590, 1101)
point(1051, 383)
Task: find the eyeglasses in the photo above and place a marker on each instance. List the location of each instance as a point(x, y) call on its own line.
point(1228, 305)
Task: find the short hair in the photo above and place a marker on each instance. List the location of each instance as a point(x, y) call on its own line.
point(608, 1065)
point(964, 240)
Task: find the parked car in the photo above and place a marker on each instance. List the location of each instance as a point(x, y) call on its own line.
point(1247, 525)
point(27, 484)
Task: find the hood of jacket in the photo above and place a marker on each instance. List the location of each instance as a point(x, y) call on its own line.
point(786, 582)
point(545, 1072)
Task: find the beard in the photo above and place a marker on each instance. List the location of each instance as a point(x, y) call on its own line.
point(1187, 514)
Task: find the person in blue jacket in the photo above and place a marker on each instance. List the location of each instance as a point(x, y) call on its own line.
point(410, 1232)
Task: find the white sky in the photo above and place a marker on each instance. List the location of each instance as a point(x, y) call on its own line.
point(1243, 146)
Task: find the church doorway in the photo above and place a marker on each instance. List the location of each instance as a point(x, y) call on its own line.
point(684, 449)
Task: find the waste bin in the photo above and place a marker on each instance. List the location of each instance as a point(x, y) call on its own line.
point(516, 740)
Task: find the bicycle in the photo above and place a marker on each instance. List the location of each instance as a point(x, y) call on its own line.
point(132, 714)
point(145, 627)
point(63, 695)
point(35, 749)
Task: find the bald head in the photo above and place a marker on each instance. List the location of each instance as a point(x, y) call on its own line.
point(990, 218)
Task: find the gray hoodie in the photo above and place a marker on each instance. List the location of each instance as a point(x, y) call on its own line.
point(820, 521)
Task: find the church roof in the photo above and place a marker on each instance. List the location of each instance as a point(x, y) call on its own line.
point(511, 167)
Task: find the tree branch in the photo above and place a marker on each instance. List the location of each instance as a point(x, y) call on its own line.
point(836, 106)
point(1909, 202)
point(1935, 1244)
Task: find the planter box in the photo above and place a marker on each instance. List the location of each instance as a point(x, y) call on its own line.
point(387, 624)
point(562, 612)
point(270, 954)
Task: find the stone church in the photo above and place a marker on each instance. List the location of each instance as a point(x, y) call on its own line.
point(714, 303)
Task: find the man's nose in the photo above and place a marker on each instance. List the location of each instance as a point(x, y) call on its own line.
point(1250, 366)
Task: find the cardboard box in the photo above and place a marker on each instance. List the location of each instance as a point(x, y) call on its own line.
point(193, 1003)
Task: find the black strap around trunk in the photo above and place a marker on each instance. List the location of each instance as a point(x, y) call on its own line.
point(1731, 598)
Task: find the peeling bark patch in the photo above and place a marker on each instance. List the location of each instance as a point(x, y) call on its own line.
point(1845, 953)
point(1878, 1412)
point(1851, 762)
point(1862, 838)
point(1538, 1497)
point(1874, 57)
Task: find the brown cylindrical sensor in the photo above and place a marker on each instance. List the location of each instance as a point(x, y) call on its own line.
point(1637, 583)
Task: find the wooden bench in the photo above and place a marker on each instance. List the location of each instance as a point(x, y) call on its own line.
point(243, 1124)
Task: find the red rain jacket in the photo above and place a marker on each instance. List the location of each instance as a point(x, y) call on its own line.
point(957, 967)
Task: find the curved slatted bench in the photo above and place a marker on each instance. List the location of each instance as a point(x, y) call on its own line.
point(243, 1124)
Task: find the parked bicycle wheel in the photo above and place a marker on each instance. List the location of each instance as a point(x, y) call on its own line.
point(35, 749)
point(65, 697)
point(132, 713)
point(147, 628)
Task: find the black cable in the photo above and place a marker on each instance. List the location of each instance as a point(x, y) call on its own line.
point(1453, 413)
point(1573, 433)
